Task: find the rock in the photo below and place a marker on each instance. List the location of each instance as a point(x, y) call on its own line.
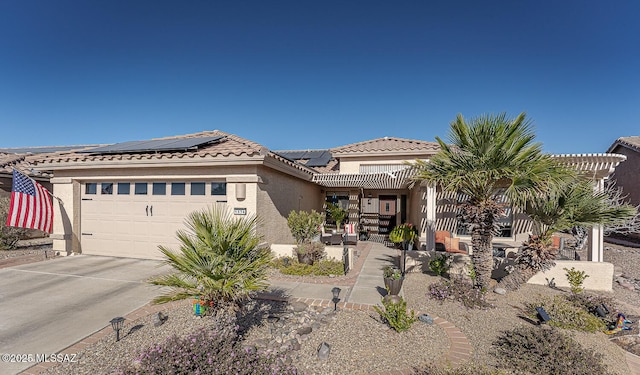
point(617, 272)
point(627, 285)
point(261, 343)
point(425, 318)
point(500, 291)
point(294, 344)
point(323, 351)
point(298, 306)
point(159, 319)
point(304, 330)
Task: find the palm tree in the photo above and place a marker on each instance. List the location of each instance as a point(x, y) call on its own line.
point(219, 259)
point(491, 152)
point(574, 203)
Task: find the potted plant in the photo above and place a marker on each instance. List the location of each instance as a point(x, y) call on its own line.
point(392, 280)
point(304, 227)
point(364, 233)
point(337, 213)
point(405, 235)
point(310, 252)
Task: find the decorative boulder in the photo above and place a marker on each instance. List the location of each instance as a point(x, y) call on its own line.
point(425, 318)
point(323, 351)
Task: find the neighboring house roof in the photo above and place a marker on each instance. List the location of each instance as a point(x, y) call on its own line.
point(386, 146)
point(43, 149)
point(8, 160)
point(628, 142)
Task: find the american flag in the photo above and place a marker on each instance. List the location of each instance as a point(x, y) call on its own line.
point(30, 204)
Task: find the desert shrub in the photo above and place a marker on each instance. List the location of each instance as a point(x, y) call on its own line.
point(395, 314)
point(440, 264)
point(590, 301)
point(9, 236)
point(458, 289)
point(567, 315)
point(213, 351)
point(546, 350)
point(314, 249)
point(328, 267)
point(304, 225)
point(576, 278)
point(467, 369)
point(325, 267)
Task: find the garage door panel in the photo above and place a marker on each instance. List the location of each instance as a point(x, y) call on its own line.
point(134, 225)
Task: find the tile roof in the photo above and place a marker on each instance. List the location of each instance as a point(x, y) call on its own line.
point(387, 145)
point(629, 142)
point(21, 162)
point(231, 145)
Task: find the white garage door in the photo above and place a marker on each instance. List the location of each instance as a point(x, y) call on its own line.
point(130, 219)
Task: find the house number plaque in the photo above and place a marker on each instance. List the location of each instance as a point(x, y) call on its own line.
point(239, 211)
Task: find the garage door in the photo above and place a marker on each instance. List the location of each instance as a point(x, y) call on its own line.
point(130, 219)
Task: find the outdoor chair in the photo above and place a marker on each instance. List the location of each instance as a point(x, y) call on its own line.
point(350, 234)
point(445, 242)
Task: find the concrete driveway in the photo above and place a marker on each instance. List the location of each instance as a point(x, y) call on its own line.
point(49, 305)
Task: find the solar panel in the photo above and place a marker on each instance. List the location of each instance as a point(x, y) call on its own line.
point(154, 145)
point(315, 158)
point(320, 160)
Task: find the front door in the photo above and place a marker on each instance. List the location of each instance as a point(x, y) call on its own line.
point(387, 214)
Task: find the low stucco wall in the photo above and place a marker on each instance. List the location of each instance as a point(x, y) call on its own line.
point(600, 273)
point(333, 252)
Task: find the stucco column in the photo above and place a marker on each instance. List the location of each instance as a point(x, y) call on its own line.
point(595, 243)
point(428, 216)
point(64, 215)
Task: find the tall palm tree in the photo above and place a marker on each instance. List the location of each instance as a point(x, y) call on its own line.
point(574, 203)
point(219, 259)
point(489, 153)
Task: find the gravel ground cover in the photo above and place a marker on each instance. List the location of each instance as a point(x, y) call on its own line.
point(360, 343)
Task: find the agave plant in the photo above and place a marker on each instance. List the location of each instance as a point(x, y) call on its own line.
point(219, 259)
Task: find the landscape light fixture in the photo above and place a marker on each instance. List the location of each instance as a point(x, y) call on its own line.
point(336, 297)
point(543, 317)
point(117, 324)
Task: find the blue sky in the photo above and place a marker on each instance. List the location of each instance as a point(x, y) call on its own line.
point(316, 74)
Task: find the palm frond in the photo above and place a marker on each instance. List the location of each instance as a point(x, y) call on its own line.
point(219, 258)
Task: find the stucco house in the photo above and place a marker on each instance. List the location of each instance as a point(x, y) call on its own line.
point(128, 198)
point(627, 175)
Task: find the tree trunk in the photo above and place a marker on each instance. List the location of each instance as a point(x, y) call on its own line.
point(516, 278)
point(482, 257)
